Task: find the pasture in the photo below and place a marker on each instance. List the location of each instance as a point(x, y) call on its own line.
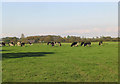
point(44, 63)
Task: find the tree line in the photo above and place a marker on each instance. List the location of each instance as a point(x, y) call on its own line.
point(54, 38)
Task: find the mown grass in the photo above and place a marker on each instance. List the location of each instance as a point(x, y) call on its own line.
point(43, 63)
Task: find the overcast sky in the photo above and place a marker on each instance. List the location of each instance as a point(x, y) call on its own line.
point(88, 19)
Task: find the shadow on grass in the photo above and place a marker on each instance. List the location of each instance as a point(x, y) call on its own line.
point(3, 50)
point(27, 54)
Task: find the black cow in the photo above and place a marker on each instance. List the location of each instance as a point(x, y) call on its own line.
point(2, 44)
point(22, 44)
point(101, 42)
point(82, 43)
point(73, 44)
point(87, 43)
point(30, 43)
point(59, 44)
point(52, 43)
point(48, 43)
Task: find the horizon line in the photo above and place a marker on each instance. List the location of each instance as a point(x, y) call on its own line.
point(64, 36)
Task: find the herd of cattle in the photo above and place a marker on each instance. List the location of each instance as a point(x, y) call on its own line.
point(74, 43)
point(50, 43)
point(54, 43)
point(84, 43)
point(13, 44)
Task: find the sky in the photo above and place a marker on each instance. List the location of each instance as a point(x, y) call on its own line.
point(85, 19)
point(60, 0)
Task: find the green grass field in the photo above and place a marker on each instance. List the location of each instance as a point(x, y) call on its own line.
point(43, 63)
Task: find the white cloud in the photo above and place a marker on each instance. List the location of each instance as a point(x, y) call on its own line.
point(80, 32)
point(7, 35)
point(94, 30)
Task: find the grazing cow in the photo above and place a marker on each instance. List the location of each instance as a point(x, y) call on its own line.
point(30, 43)
point(18, 43)
point(11, 44)
point(101, 42)
point(48, 43)
point(2, 44)
point(74, 44)
point(87, 43)
point(82, 43)
point(52, 43)
point(55, 42)
point(59, 44)
point(22, 44)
